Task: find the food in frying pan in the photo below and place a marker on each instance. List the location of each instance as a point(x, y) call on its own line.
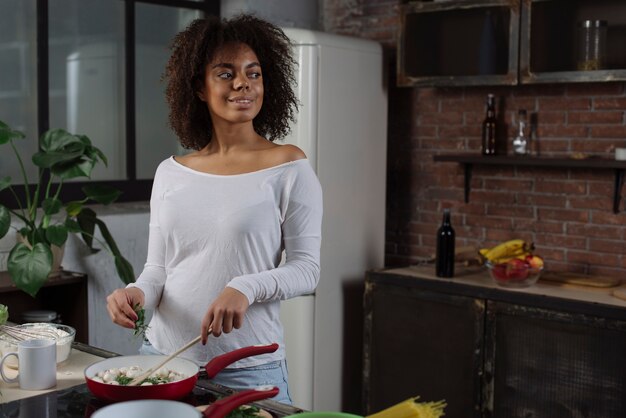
point(124, 375)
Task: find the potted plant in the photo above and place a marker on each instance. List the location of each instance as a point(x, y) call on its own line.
point(61, 156)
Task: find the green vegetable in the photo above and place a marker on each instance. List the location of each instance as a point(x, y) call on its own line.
point(125, 380)
point(4, 314)
point(140, 325)
point(245, 411)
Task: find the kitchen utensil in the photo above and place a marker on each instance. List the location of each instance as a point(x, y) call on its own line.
point(619, 293)
point(20, 333)
point(172, 390)
point(578, 279)
point(63, 334)
point(140, 378)
point(167, 408)
point(37, 364)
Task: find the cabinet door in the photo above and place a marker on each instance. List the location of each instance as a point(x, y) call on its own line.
point(458, 43)
point(551, 41)
point(419, 343)
point(546, 364)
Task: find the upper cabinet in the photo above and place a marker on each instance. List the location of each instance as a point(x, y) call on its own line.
point(508, 42)
point(572, 41)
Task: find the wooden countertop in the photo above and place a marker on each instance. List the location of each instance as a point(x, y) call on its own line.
point(479, 277)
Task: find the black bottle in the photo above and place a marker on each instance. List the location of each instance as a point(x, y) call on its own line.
point(489, 127)
point(445, 247)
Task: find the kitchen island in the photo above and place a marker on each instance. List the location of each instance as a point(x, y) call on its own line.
point(71, 397)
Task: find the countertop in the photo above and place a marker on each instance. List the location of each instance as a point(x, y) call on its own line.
point(475, 282)
point(72, 399)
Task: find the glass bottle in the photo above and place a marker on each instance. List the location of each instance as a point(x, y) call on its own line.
point(445, 247)
point(520, 142)
point(489, 127)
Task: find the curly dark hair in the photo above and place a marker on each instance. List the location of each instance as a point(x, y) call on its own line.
point(196, 46)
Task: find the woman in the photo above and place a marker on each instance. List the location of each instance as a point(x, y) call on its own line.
point(221, 216)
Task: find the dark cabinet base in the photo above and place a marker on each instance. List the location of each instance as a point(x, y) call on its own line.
point(491, 352)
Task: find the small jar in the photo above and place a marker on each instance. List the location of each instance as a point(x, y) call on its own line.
point(591, 45)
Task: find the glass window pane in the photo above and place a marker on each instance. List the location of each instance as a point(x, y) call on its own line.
point(155, 140)
point(86, 53)
point(18, 84)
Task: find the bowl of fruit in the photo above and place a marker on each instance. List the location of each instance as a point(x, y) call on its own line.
point(513, 264)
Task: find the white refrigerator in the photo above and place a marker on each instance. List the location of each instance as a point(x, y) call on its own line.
point(342, 127)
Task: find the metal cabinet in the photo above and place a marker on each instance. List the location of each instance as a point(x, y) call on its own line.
point(551, 38)
point(456, 43)
point(505, 42)
point(491, 352)
point(547, 363)
point(422, 343)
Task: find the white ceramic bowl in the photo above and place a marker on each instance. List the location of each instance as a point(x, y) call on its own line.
point(148, 409)
point(65, 333)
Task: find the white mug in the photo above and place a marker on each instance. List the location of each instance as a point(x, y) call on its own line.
point(37, 364)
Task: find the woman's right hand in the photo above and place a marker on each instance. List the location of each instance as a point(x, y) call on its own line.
point(120, 305)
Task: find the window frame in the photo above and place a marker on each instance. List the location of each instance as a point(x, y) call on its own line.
point(132, 188)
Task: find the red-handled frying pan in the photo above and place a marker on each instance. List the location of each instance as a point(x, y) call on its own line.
point(173, 390)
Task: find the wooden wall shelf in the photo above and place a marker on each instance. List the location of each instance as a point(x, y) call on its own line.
point(469, 160)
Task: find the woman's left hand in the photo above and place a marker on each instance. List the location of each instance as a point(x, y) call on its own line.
point(225, 313)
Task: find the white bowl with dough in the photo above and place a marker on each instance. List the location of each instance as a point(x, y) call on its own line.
point(64, 338)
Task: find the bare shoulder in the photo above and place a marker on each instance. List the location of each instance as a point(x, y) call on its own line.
point(281, 154)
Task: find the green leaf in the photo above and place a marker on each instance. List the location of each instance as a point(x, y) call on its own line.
point(101, 193)
point(74, 169)
point(72, 225)
point(124, 269)
point(28, 268)
point(59, 140)
point(56, 234)
point(5, 220)
point(87, 221)
point(4, 314)
point(51, 206)
point(5, 182)
point(7, 134)
point(73, 208)
point(58, 158)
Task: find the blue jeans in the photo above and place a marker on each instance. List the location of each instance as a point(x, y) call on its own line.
point(273, 373)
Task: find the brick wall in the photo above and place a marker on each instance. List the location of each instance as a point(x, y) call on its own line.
point(566, 213)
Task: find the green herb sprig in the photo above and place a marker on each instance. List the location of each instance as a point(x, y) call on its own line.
point(245, 411)
point(140, 325)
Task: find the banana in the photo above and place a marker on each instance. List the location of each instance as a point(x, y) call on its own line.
point(521, 256)
point(510, 248)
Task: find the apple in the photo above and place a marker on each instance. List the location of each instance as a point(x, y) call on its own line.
point(499, 271)
point(534, 261)
point(516, 269)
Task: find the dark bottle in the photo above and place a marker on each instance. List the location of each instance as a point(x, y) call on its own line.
point(445, 247)
point(489, 127)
